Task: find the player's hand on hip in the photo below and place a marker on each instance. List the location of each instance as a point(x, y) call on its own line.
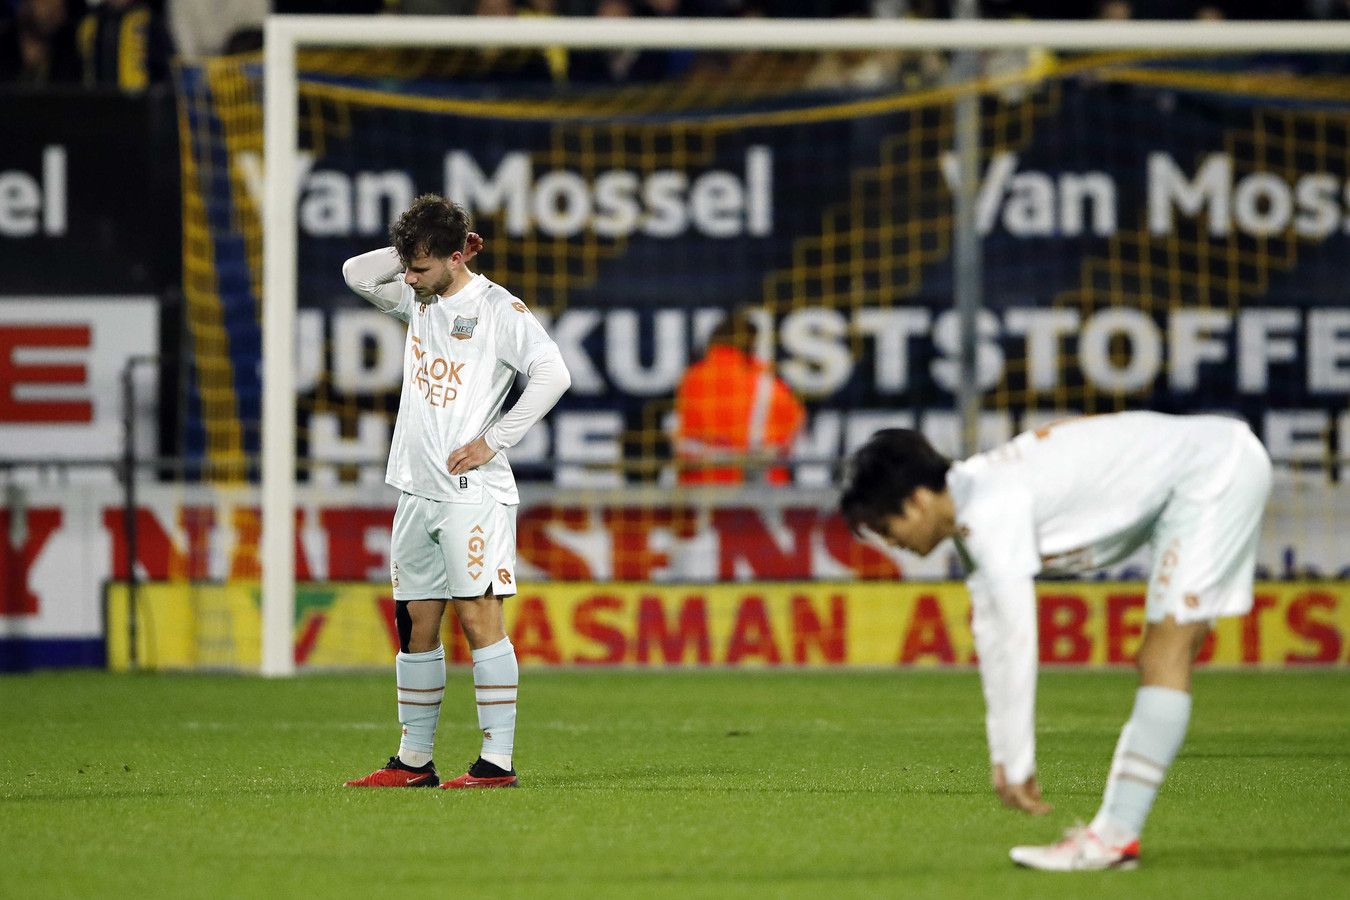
point(470, 456)
point(1025, 796)
point(472, 245)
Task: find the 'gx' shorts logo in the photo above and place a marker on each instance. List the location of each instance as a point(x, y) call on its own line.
point(476, 545)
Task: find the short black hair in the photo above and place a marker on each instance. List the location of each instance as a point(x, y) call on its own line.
point(433, 226)
point(884, 472)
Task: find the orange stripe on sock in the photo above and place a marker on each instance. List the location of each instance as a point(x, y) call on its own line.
point(494, 687)
point(411, 703)
point(494, 702)
point(420, 690)
point(1137, 757)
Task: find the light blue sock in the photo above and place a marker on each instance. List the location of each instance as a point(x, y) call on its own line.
point(495, 678)
point(1148, 744)
point(421, 686)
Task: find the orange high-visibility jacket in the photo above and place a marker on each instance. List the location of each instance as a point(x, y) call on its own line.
point(731, 402)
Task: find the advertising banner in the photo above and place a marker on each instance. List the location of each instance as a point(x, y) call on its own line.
point(89, 192)
point(773, 625)
point(65, 543)
point(61, 365)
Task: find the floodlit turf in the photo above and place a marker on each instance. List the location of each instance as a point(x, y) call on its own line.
point(685, 784)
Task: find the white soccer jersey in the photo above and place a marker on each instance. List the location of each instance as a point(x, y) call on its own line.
point(461, 357)
point(1083, 493)
point(1076, 495)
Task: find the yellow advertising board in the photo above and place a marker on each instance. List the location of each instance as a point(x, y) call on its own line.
point(803, 624)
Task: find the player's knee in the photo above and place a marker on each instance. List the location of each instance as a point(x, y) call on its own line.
point(480, 618)
point(1166, 654)
point(1163, 668)
point(476, 625)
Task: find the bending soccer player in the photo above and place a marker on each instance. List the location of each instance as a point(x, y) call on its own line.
point(454, 536)
point(1075, 496)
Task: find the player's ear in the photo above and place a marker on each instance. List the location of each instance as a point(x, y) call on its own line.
point(918, 502)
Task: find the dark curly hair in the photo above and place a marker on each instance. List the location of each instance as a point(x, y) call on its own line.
point(433, 226)
point(883, 473)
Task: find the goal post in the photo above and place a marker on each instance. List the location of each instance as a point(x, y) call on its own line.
point(285, 36)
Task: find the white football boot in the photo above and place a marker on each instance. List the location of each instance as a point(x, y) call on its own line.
point(1080, 851)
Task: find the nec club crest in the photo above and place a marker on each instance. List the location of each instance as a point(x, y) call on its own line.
point(463, 329)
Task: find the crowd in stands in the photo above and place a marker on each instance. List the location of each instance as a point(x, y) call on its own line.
point(129, 44)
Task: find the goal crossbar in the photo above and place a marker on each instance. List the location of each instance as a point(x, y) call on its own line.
point(786, 34)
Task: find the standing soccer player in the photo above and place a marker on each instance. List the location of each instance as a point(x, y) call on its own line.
point(1078, 495)
point(454, 536)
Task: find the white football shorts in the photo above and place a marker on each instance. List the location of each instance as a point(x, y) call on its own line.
point(1204, 543)
point(443, 550)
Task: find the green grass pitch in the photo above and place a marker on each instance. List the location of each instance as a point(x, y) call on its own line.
point(649, 784)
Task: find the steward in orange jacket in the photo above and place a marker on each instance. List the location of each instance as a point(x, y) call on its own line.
point(733, 412)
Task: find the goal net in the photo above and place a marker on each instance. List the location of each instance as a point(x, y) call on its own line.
point(1161, 213)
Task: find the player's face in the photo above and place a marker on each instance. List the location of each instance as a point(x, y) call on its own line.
point(429, 276)
point(916, 527)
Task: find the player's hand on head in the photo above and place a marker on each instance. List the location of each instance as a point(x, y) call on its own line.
point(472, 245)
point(1025, 796)
point(470, 456)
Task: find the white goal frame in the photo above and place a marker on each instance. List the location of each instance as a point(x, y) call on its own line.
point(284, 35)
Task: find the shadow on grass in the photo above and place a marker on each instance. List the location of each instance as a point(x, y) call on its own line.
point(57, 794)
point(1292, 753)
point(1209, 857)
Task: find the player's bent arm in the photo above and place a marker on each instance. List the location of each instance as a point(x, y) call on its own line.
point(377, 277)
point(549, 380)
point(1004, 625)
point(984, 627)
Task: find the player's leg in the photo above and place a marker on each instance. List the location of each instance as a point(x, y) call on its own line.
point(1148, 743)
point(1204, 560)
point(496, 676)
point(418, 571)
point(420, 670)
point(1155, 731)
point(488, 556)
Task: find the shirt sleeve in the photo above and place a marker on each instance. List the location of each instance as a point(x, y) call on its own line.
point(549, 380)
point(520, 337)
point(999, 537)
point(1003, 619)
point(378, 277)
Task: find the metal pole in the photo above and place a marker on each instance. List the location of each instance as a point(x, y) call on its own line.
point(967, 248)
point(11, 554)
point(129, 527)
point(129, 499)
